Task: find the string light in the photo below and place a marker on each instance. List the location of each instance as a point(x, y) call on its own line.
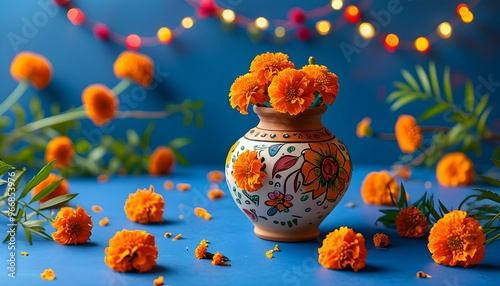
point(467, 18)
point(337, 4)
point(323, 27)
point(366, 30)
point(444, 30)
point(187, 22)
point(391, 42)
point(76, 16)
point(261, 23)
point(165, 35)
point(133, 42)
point(422, 44)
point(280, 32)
point(352, 14)
point(228, 15)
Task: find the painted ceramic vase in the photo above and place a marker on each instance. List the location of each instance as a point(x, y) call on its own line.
point(305, 171)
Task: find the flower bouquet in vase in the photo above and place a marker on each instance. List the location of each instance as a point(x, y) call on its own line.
point(289, 172)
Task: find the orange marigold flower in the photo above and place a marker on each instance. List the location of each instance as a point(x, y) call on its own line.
point(456, 239)
point(248, 171)
point(269, 254)
point(363, 129)
point(411, 223)
point(381, 240)
point(162, 161)
point(48, 274)
point(377, 188)
point(62, 189)
point(455, 169)
point(32, 67)
point(73, 226)
point(325, 82)
point(159, 281)
point(291, 91)
point(215, 176)
point(267, 65)
point(244, 91)
point(200, 251)
point(219, 259)
point(134, 66)
point(60, 149)
point(343, 248)
point(100, 103)
point(131, 250)
point(408, 133)
point(214, 194)
point(144, 206)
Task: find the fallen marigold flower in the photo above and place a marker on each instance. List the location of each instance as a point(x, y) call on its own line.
point(60, 190)
point(380, 240)
point(248, 171)
point(144, 206)
point(134, 66)
point(215, 176)
point(200, 251)
point(104, 221)
point(61, 150)
point(422, 274)
point(377, 188)
point(276, 248)
point(363, 128)
point(131, 250)
point(72, 226)
point(269, 254)
point(159, 281)
point(162, 161)
point(183, 187)
point(408, 133)
point(100, 103)
point(48, 274)
point(214, 194)
point(455, 169)
point(168, 185)
point(32, 67)
point(456, 239)
point(343, 248)
point(96, 209)
point(24, 253)
point(411, 223)
point(201, 212)
point(219, 259)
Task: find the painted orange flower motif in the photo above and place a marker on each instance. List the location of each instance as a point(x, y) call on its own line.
point(343, 248)
point(248, 171)
point(100, 103)
point(455, 169)
point(145, 206)
point(60, 149)
point(291, 91)
point(267, 65)
point(408, 133)
point(456, 239)
point(73, 226)
point(134, 66)
point(130, 250)
point(363, 129)
point(60, 190)
point(411, 223)
point(325, 82)
point(32, 67)
point(326, 171)
point(244, 91)
point(377, 188)
point(162, 161)
point(278, 202)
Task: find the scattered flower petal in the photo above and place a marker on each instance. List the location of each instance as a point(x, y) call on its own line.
point(219, 259)
point(201, 212)
point(104, 221)
point(102, 178)
point(96, 209)
point(380, 240)
point(168, 185)
point(214, 194)
point(276, 248)
point(363, 129)
point(183, 187)
point(177, 237)
point(215, 176)
point(24, 253)
point(48, 274)
point(167, 234)
point(422, 274)
point(159, 281)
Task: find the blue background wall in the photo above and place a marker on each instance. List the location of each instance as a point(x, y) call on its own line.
point(203, 62)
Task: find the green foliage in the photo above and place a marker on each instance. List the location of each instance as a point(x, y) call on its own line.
point(22, 213)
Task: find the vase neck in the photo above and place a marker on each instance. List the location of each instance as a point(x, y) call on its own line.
point(271, 119)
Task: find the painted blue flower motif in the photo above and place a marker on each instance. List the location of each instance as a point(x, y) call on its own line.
point(278, 202)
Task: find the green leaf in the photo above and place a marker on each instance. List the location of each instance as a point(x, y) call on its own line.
point(491, 181)
point(402, 86)
point(404, 101)
point(434, 80)
point(456, 134)
point(132, 138)
point(496, 162)
point(4, 122)
point(481, 124)
point(402, 203)
point(4, 167)
point(46, 191)
point(199, 121)
point(469, 96)
point(56, 201)
point(37, 179)
point(180, 158)
point(146, 136)
point(179, 142)
point(19, 114)
point(7, 237)
point(40, 233)
point(481, 105)
point(82, 146)
point(433, 111)
point(96, 154)
point(410, 80)
point(55, 109)
point(27, 233)
point(424, 80)
point(396, 94)
point(447, 85)
point(36, 108)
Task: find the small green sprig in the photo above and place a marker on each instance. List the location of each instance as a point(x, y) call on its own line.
point(19, 210)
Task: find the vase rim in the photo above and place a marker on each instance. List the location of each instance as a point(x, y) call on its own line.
point(269, 110)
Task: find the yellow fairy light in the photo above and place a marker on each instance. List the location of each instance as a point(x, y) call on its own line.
point(164, 35)
point(422, 44)
point(444, 30)
point(467, 18)
point(337, 4)
point(279, 32)
point(187, 22)
point(228, 15)
point(261, 23)
point(463, 9)
point(391, 42)
point(323, 27)
point(366, 30)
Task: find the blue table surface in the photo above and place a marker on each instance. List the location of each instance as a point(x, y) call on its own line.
point(231, 233)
